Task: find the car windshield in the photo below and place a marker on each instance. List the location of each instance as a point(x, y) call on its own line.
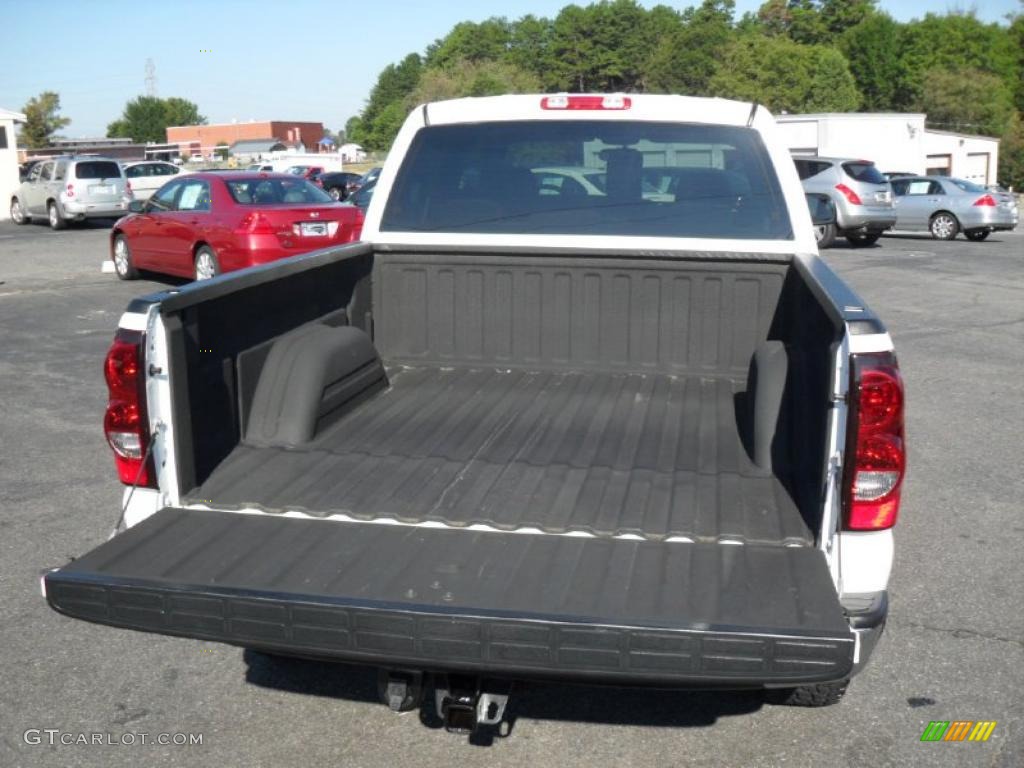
point(969, 186)
point(866, 172)
point(613, 178)
point(276, 192)
point(97, 169)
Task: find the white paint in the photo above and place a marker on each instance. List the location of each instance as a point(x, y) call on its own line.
point(132, 321)
point(107, 267)
point(9, 182)
point(144, 502)
point(865, 561)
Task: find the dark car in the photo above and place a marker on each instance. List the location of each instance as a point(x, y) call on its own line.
point(362, 196)
point(204, 224)
point(370, 177)
point(339, 185)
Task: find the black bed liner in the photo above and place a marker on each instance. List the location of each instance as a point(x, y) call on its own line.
point(586, 608)
point(645, 454)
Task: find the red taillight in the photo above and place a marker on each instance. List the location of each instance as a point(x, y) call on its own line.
point(125, 424)
point(256, 223)
point(69, 190)
point(875, 452)
point(586, 102)
point(987, 200)
point(849, 194)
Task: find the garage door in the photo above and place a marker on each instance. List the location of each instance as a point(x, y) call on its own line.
point(938, 165)
point(976, 169)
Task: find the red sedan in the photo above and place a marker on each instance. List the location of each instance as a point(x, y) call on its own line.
point(204, 224)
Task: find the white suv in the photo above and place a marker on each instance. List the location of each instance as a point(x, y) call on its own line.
point(72, 189)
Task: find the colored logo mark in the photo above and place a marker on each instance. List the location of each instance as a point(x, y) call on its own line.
point(958, 730)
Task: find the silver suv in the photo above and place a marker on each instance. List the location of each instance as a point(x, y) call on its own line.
point(72, 188)
point(862, 195)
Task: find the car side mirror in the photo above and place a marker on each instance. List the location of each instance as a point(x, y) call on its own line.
point(823, 210)
point(137, 206)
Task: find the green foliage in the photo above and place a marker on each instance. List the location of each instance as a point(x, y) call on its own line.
point(872, 48)
point(221, 151)
point(786, 76)
point(793, 55)
point(42, 120)
point(966, 100)
point(1011, 154)
point(146, 118)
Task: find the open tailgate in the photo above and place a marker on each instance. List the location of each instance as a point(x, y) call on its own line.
point(525, 605)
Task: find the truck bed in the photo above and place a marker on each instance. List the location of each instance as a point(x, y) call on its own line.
point(653, 456)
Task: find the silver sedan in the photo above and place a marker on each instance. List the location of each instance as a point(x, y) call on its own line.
point(946, 206)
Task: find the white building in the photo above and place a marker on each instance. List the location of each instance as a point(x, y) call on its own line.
point(8, 159)
point(895, 142)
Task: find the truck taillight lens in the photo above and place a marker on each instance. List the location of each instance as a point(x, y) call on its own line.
point(875, 452)
point(986, 201)
point(849, 194)
point(125, 424)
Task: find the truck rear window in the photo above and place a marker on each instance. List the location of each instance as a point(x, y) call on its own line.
point(97, 169)
point(589, 177)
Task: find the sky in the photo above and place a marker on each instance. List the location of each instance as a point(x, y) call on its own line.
point(256, 60)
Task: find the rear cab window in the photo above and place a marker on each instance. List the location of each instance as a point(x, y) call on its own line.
point(865, 172)
point(618, 178)
point(97, 169)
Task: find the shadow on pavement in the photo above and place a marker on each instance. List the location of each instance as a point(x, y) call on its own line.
point(607, 705)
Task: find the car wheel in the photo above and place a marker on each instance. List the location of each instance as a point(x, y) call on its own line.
point(825, 235)
point(18, 213)
point(863, 239)
point(207, 265)
point(944, 226)
point(335, 193)
point(977, 235)
point(56, 220)
point(123, 266)
point(820, 695)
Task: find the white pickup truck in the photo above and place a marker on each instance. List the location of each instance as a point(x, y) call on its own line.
point(584, 405)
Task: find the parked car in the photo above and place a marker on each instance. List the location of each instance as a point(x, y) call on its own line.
point(208, 223)
point(862, 196)
point(147, 176)
point(338, 185)
point(370, 177)
point(305, 171)
point(890, 175)
point(72, 188)
point(264, 167)
point(26, 168)
point(946, 206)
point(649, 442)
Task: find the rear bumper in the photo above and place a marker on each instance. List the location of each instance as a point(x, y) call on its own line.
point(985, 217)
point(74, 209)
point(411, 599)
point(865, 219)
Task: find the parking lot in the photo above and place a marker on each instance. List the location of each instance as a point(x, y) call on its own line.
point(953, 648)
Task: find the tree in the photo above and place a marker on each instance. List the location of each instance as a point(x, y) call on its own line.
point(146, 118)
point(786, 76)
point(966, 100)
point(473, 78)
point(686, 56)
point(221, 151)
point(872, 48)
point(42, 120)
point(487, 41)
point(1011, 153)
point(598, 48)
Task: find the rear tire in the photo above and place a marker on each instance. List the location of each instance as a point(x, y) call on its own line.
point(977, 235)
point(207, 266)
point(825, 235)
point(863, 239)
point(123, 266)
point(18, 215)
point(820, 695)
point(57, 221)
point(944, 226)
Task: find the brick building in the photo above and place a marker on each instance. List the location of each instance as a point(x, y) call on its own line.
point(208, 137)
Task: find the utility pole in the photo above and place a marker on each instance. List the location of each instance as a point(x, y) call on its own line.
point(150, 78)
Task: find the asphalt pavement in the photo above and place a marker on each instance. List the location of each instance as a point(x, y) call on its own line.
point(953, 648)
